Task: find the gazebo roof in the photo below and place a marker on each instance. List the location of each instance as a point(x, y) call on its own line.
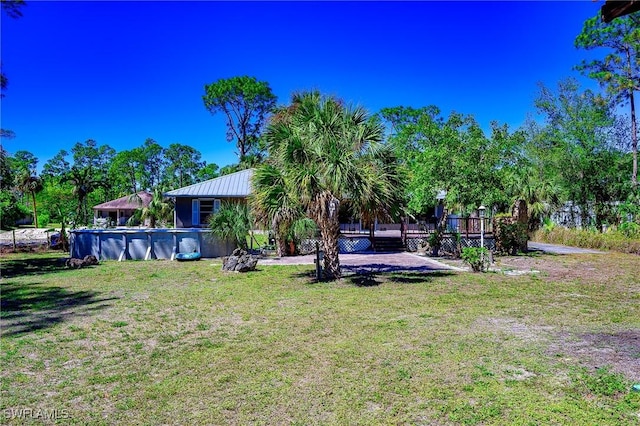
point(128, 202)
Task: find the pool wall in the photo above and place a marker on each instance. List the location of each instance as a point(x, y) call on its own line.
point(146, 244)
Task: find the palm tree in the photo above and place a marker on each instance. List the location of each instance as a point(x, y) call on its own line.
point(31, 184)
point(274, 203)
point(84, 183)
point(540, 194)
point(327, 153)
point(160, 208)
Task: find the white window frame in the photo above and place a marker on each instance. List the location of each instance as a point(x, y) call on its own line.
point(195, 212)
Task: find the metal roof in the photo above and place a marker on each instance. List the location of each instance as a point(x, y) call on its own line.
point(128, 202)
point(236, 184)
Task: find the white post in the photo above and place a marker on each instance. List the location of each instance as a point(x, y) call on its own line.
point(123, 253)
point(148, 254)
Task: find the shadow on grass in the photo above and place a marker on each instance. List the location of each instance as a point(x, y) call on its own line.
point(417, 278)
point(379, 268)
point(365, 276)
point(25, 308)
point(46, 265)
point(365, 280)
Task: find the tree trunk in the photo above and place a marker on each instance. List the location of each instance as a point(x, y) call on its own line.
point(281, 245)
point(634, 141)
point(372, 236)
point(325, 210)
point(330, 231)
point(81, 213)
point(35, 211)
point(441, 225)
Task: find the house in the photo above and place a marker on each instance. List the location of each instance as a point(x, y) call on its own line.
point(117, 212)
point(194, 203)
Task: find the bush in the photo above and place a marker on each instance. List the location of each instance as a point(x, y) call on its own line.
point(435, 241)
point(232, 221)
point(477, 257)
point(630, 229)
point(510, 235)
point(10, 209)
point(43, 220)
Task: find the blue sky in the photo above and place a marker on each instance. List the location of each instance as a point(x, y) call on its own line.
point(121, 72)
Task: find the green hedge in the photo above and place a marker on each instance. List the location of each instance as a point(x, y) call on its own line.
point(611, 240)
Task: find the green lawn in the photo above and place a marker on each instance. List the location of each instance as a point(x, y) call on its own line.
point(163, 342)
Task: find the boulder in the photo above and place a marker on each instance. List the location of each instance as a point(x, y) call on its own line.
point(90, 260)
point(80, 263)
point(239, 261)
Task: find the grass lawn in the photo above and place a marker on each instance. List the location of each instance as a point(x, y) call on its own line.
point(163, 342)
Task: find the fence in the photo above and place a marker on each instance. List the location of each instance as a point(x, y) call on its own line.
point(345, 245)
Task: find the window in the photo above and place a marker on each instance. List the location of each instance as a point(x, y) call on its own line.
point(207, 208)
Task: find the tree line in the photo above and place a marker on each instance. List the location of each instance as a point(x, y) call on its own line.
point(88, 174)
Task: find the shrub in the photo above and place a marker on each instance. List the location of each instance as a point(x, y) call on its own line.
point(477, 257)
point(548, 225)
point(457, 244)
point(435, 241)
point(232, 221)
point(10, 209)
point(43, 219)
point(510, 235)
point(630, 229)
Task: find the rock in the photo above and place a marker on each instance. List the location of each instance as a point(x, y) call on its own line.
point(74, 263)
point(239, 261)
point(247, 266)
point(80, 263)
point(229, 263)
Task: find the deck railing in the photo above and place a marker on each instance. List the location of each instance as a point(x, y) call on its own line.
point(466, 226)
